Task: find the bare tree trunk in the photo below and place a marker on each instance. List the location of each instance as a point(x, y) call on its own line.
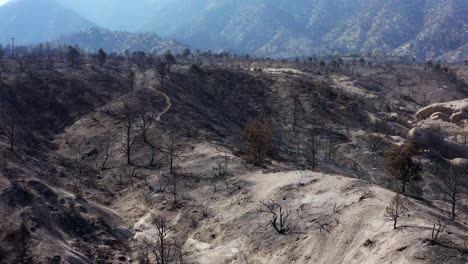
point(174, 193)
point(12, 136)
point(454, 205)
point(128, 147)
point(10, 127)
point(171, 157)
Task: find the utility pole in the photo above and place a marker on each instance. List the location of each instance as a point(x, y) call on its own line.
point(13, 47)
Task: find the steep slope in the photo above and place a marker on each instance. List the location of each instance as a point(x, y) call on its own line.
point(444, 30)
point(457, 55)
point(423, 28)
point(334, 219)
point(32, 21)
point(92, 39)
point(37, 189)
point(84, 199)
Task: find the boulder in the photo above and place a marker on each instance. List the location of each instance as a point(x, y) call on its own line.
point(463, 163)
point(459, 117)
point(456, 111)
point(445, 148)
point(440, 116)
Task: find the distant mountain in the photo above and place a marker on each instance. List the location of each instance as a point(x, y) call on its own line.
point(32, 21)
point(113, 14)
point(458, 55)
point(92, 39)
point(425, 29)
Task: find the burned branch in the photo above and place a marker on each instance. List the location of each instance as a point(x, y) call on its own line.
point(279, 216)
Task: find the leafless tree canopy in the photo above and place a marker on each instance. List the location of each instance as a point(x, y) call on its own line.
point(11, 126)
point(20, 240)
point(313, 146)
point(161, 249)
point(128, 114)
point(396, 209)
point(165, 248)
point(451, 188)
point(437, 227)
point(279, 216)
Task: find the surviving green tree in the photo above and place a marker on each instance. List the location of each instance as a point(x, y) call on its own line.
point(400, 164)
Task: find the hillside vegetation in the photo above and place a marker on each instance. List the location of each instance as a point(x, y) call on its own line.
point(423, 29)
point(419, 29)
point(116, 159)
point(92, 39)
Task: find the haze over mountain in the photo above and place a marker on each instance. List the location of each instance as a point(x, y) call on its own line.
point(32, 21)
point(92, 39)
point(425, 29)
point(422, 28)
point(115, 15)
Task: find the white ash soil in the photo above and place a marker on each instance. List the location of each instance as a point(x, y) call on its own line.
point(226, 225)
point(236, 232)
point(330, 221)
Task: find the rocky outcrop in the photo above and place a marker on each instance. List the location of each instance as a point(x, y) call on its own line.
point(455, 112)
point(461, 163)
point(434, 142)
point(459, 117)
point(440, 116)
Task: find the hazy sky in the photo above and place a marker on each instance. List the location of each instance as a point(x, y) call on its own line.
point(3, 1)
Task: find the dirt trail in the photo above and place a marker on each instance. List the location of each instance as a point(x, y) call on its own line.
point(168, 106)
point(143, 81)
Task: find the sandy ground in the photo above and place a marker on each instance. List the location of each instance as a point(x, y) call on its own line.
point(333, 219)
point(330, 218)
